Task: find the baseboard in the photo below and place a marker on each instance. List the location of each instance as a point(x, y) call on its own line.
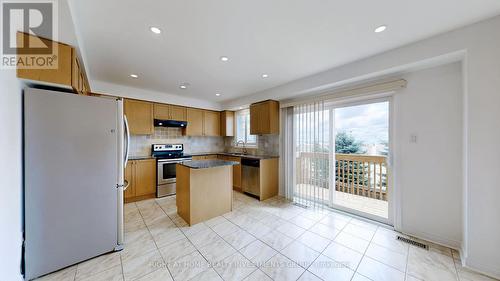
point(479, 267)
point(450, 243)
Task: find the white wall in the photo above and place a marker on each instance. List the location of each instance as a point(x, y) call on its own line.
point(480, 46)
point(429, 171)
point(11, 176)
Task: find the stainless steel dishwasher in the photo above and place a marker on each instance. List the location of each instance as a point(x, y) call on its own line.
point(250, 178)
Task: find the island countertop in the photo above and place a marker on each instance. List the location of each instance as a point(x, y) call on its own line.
point(205, 164)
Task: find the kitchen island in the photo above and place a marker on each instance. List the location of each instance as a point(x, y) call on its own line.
point(204, 189)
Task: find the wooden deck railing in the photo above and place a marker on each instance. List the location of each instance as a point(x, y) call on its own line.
point(363, 175)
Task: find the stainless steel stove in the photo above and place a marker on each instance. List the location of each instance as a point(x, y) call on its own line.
point(167, 156)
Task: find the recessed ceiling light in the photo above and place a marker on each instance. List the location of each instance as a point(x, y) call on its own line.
point(380, 28)
point(184, 86)
point(155, 30)
point(134, 75)
point(224, 58)
point(265, 75)
point(241, 107)
point(217, 94)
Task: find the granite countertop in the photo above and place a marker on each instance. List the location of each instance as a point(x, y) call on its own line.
point(248, 156)
point(140, 157)
point(204, 164)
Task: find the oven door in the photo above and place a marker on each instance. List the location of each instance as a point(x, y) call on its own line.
point(166, 172)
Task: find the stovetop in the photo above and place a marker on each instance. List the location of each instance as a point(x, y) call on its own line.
point(168, 151)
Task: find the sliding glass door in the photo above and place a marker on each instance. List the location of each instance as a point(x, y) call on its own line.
point(341, 157)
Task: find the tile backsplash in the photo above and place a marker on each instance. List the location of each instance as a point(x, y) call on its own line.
point(140, 145)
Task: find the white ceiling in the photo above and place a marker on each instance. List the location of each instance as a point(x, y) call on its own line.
point(287, 39)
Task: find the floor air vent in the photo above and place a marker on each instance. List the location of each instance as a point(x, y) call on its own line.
point(412, 242)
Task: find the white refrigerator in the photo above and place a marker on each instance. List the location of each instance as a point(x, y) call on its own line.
point(75, 150)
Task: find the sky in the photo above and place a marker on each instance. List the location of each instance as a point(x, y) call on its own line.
point(368, 123)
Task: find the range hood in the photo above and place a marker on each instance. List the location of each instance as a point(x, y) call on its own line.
point(170, 123)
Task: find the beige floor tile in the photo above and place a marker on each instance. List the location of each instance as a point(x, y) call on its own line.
point(378, 271)
point(291, 230)
point(343, 255)
point(235, 267)
point(167, 236)
point(328, 269)
point(334, 221)
point(353, 242)
point(176, 250)
point(313, 241)
point(225, 228)
point(466, 274)
point(388, 257)
point(387, 238)
point(302, 221)
point(280, 267)
point(188, 266)
point(239, 239)
point(258, 252)
point(359, 277)
point(207, 275)
point(258, 275)
point(429, 265)
point(217, 251)
point(66, 274)
point(97, 265)
point(133, 225)
point(110, 274)
point(193, 229)
point(161, 274)
point(300, 254)
point(360, 231)
point(325, 231)
point(308, 276)
point(203, 238)
point(215, 221)
point(139, 266)
point(276, 240)
point(258, 229)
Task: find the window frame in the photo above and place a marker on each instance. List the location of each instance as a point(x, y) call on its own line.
point(246, 113)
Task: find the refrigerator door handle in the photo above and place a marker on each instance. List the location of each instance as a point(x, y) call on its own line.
point(127, 136)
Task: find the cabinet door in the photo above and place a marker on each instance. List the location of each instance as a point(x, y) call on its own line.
point(177, 113)
point(254, 119)
point(140, 117)
point(129, 176)
point(161, 111)
point(227, 123)
point(195, 122)
point(211, 123)
point(145, 177)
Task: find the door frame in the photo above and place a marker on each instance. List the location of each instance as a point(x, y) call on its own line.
point(393, 207)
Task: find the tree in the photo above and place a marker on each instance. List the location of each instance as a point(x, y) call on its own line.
point(346, 143)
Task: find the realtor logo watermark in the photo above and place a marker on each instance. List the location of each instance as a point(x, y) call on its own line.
point(26, 26)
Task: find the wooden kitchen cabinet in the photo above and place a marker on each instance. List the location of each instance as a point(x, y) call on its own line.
point(141, 176)
point(236, 170)
point(227, 123)
point(139, 116)
point(170, 112)
point(69, 71)
point(195, 122)
point(211, 123)
point(264, 118)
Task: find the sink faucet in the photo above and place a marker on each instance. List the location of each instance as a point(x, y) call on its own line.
point(243, 144)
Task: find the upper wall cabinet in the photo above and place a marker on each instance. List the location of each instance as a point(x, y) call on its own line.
point(69, 71)
point(211, 123)
point(195, 122)
point(227, 123)
point(264, 118)
point(170, 112)
point(139, 116)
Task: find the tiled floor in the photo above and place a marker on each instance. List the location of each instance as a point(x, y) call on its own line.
point(271, 240)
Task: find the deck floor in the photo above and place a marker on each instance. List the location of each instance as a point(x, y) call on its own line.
point(363, 204)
